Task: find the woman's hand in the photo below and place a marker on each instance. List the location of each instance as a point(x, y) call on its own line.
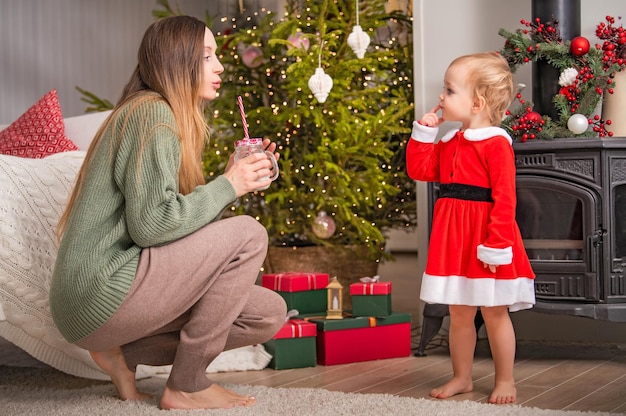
point(245, 174)
point(431, 119)
point(270, 146)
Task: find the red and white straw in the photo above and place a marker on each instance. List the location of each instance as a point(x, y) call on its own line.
point(243, 117)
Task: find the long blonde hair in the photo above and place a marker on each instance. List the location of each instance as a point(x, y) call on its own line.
point(491, 78)
point(169, 64)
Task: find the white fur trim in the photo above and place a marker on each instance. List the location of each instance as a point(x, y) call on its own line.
point(449, 135)
point(424, 134)
point(495, 256)
point(477, 135)
point(517, 294)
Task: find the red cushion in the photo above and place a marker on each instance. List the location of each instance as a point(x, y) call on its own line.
point(37, 133)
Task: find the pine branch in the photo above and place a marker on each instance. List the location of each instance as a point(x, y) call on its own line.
point(95, 103)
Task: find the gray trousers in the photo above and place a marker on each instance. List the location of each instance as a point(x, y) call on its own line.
point(192, 299)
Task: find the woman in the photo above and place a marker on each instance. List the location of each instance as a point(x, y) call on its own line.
point(147, 273)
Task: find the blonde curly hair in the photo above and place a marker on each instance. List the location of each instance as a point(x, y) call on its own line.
point(490, 76)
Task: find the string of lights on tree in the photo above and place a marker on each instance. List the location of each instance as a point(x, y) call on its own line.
point(586, 73)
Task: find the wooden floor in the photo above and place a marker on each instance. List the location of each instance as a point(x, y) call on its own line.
point(566, 376)
point(548, 376)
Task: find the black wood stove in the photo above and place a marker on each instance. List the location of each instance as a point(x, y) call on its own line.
point(571, 210)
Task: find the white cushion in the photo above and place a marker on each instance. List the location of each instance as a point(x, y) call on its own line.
point(81, 129)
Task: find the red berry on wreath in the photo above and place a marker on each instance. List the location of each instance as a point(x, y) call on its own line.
point(579, 46)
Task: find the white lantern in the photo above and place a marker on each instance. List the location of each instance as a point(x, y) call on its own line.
point(358, 41)
point(320, 84)
point(335, 301)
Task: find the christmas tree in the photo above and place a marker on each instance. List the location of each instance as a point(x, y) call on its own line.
point(343, 155)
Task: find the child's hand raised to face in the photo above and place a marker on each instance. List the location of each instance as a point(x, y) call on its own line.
point(431, 119)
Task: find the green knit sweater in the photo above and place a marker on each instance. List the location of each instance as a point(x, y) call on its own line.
point(125, 206)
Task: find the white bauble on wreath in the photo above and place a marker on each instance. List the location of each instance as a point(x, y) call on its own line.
point(578, 123)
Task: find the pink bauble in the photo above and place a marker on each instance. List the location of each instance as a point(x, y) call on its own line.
point(323, 225)
point(252, 57)
point(298, 41)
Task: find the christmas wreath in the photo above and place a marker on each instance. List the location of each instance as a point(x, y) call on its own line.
point(586, 73)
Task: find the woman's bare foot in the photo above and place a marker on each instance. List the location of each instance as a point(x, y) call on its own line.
point(113, 363)
point(214, 397)
point(452, 387)
point(503, 393)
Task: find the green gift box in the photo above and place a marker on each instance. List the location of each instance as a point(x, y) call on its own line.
point(305, 292)
point(379, 306)
point(371, 299)
point(293, 346)
point(311, 301)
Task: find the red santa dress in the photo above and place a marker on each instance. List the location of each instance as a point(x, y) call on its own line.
point(473, 219)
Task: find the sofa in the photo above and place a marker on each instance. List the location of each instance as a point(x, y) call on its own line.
point(40, 155)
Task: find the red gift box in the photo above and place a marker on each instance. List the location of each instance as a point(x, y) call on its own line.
point(376, 288)
point(295, 281)
point(352, 340)
point(371, 299)
point(296, 328)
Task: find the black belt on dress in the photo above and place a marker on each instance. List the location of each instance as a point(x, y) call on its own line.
point(466, 192)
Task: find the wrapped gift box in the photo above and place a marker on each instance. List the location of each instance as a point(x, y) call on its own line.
point(371, 299)
point(349, 340)
point(293, 346)
point(305, 292)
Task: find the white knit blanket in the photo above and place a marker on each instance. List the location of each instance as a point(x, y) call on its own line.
point(33, 193)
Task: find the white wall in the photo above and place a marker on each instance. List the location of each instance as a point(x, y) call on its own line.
point(445, 29)
point(92, 44)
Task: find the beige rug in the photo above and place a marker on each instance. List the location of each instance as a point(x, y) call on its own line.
point(44, 391)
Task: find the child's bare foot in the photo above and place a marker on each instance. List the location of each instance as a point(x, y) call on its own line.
point(503, 393)
point(452, 387)
point(214, 397)
point(113, 363)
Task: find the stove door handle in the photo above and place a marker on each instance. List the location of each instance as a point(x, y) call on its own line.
point(594, 248)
